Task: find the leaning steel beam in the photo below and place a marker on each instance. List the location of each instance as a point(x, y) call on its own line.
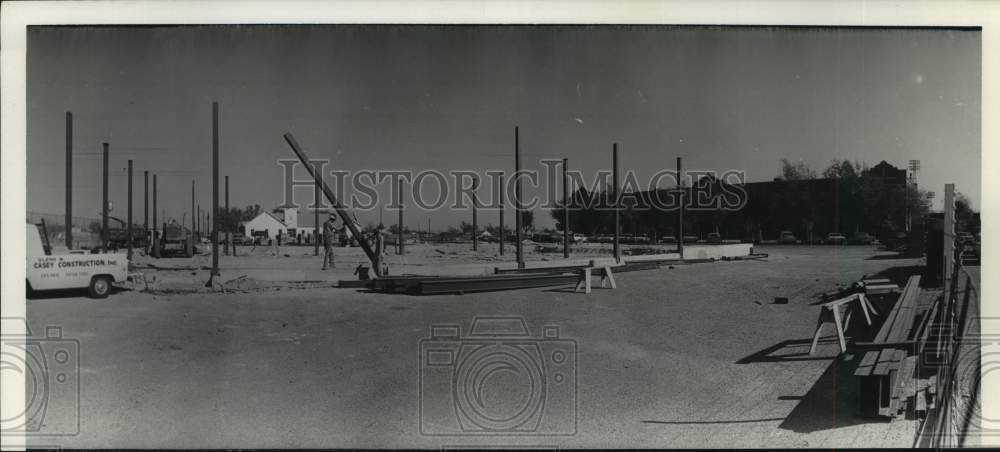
point(491, 283)
point(376, 264)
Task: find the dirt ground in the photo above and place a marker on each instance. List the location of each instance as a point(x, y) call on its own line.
point(688, 356)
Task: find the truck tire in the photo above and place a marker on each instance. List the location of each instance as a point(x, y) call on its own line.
point(100, 287)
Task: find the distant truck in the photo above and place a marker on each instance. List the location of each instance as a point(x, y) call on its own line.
point(75, 270)
point(174, 240)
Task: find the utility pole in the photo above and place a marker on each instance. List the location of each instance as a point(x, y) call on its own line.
point(215, 191)
point(475, 221)
point(501, 194)
point(614, 197)
point(104, 202)
point(517, 201)
point(128, 228)
point(565, 209)
point(69, 180)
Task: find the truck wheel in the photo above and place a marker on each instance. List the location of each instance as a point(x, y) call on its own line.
point(100, 287)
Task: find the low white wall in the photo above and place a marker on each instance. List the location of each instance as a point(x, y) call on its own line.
point(716, 251)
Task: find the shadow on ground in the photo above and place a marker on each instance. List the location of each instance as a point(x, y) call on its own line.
point(65, 293)
point(831, 403)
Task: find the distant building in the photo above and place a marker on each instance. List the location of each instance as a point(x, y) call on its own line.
point(887, 172)
point(266, 225)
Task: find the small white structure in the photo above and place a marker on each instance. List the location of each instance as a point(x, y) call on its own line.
point(265, 224)
point(269, 225)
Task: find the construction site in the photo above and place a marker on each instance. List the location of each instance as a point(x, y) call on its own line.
point(805, 311)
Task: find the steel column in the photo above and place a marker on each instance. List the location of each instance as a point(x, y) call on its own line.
point(215, 189)
point(69, 180)
point(104, 202)
point(128, 227)
point(565, 209)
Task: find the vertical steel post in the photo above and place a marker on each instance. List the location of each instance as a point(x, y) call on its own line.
point(565, 209)
point(475, 217)
point(69, 180)
point(399, 225)
point(949, 238)
point(155, 239)
point(517, 201)
point(680, 210)
point(128, 227)
point(316, 234)
point(215, 189)
point(145, 203)
point(502, 194)
point(189, 247)
point(104, 202)
point(229, 235)
point(614, 198)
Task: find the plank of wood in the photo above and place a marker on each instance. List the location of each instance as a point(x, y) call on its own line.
point(885, 361)
point(867, 363)
point(878, 289)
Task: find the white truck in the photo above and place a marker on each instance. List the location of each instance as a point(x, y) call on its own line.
point(76, 270)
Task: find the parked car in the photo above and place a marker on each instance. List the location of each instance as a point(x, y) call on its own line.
point(714, 237)
point(966, 237)
point(242, 239)
point(690, 239)
point(861, 238)
point(835, 238)
point(787, 237)
point(669, 239)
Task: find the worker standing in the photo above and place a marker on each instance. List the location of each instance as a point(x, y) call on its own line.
point(380, 250)
point(329, 235)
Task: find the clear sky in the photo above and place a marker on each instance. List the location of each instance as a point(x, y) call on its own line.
point(448, 97)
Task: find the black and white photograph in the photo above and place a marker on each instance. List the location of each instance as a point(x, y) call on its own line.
point(497, 235)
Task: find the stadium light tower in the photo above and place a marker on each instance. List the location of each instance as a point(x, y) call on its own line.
point(914, 166)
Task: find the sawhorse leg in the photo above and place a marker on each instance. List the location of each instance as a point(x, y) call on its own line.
point(824, 318)
point(585, 279)
point(608, 277)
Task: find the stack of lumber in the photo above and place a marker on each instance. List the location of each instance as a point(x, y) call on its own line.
point(879, 368)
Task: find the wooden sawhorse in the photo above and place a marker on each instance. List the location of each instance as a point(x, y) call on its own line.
point(830, 311)
point(587, 274)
